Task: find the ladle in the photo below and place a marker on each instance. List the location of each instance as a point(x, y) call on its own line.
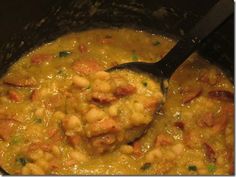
point(163, 69)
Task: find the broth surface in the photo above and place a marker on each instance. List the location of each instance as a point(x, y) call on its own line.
point(46, 126)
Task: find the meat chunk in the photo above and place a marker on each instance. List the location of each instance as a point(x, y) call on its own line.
point(14, 96)
point(211, 77)
point(192, 139)
point(163, 140)
point(180, 125)
point(190, 94)
point(74, 140)
point(40, 58)
point(103, 126)
point(151, 104)
point(210, 153)
point(20, 81)
point(55, 135)
point(103, 143)
point(82, 48)
point(220, 124)
point(222, 95)
point(7, 127)
point(124, 90)
point(103, 98)
point(39, 145)
point(206, 120)
point(86, 66)
point(137, 149)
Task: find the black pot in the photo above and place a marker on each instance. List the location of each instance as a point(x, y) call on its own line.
point(26, 24)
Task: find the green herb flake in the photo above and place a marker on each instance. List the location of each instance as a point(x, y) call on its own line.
point(192, 168)
point(89, 87)
point(134, 56)
point(63, 54)
point(145, 84)
point(15, 140)
point(211, 168)
point(22, 160)
point(146, 166)
point(38, 120)
point(156, 43)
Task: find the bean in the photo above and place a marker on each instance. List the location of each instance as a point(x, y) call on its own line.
point(55, 150)
point(101, 86)
point(178, 148)
point(79, 156)
point(169, 155)
point(202, 171)
point(94, 115)
point(102, 75)
point(80, 82)
point(48, 156)
point(39, 112)
point(36, 170)
point(139, 107)
point(139, 119)
point(59, 115)
point(43, 164)
point(113, 110)
point(126, 149)
point(36, 154)
point(26, 170)
point(74, 123)
point(153, 154)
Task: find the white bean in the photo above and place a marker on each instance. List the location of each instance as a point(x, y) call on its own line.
point(80, 82)
point(138, 107)
point(153, 154)
point(74, 123)
point(126, 149)
point(103, 75)
point(94, 115)
point(101, 86)
point(113, 110)
point(79, 156)
point(178, 148)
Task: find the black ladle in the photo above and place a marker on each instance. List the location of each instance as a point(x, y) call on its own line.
point(186, 46)
point(163, 69)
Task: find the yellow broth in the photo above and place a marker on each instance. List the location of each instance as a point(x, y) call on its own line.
point(192, 134)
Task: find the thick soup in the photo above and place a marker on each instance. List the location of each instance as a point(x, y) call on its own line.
point(61, 113)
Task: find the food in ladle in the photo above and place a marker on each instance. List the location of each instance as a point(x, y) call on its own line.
point(60, 113)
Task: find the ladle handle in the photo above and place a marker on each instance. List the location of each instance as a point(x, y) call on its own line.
point(184, 48)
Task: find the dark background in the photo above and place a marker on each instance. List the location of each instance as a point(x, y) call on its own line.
point(25, 24)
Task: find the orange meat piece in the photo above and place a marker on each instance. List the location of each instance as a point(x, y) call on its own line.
point(163, 140)
point(14, 96)
point(20, 81)
point(103, 98)
point(87, 66)
point(40, 58)
point(7, 127)
point(190, 94)
point(103, 126)
point(124, 90)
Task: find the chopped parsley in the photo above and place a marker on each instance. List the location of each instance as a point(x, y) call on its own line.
point(211, 168)
point(145, 166)
point(38, 120)
point(16, 140)
point(134, 56)
point(156, 43)
point(22, 160)
point(192, 168)
point(145, 84)
point(63, 54)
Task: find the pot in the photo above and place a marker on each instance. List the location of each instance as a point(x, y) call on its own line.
point(26, 24)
